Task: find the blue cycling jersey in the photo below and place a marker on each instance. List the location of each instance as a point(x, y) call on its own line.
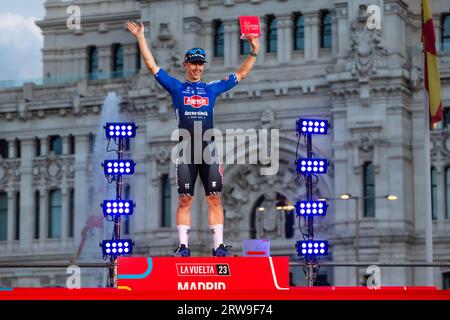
point(194, 101)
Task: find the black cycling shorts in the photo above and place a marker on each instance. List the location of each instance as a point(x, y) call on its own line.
point(186, 174)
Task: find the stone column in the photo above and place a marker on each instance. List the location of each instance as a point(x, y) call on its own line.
point(263, 41)
point(285, 39)
point(312, 21)
point(26, 194)
point(43, 214)
point(65, 144)
point(64, 213)
point(11, 211)
point(80, 183)
point(441, 192)
point(234, 50)
point(11, 148)
point(191, 32)
point(208, 40)
point(129, 59)
point(104, 62)
point(44, 146)
point(228, 43)
point(342, 29)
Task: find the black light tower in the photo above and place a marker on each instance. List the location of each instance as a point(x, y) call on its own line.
point(309, 249)
point(114, 170)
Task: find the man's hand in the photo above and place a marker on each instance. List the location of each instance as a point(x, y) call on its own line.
point(136, 29)
point(254, 44)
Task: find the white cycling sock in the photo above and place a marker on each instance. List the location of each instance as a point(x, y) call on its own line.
point(217, 234)
point(183, 233)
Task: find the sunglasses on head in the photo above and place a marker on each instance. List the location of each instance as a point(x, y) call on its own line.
point(196, 51)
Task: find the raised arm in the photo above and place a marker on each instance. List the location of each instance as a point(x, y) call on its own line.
point(248, 63)
point(138, 31)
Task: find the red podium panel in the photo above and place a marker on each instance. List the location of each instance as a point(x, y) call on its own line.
point(203, 274)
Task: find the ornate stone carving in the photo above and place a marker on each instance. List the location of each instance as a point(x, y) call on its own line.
point(366, 47)
point(165, 48)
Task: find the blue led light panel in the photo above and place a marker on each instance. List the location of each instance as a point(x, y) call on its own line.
point(118, 167)
point(117, 207)
point(117, 247)
point(120, 130)
point(312, 126)
point(312, 247)
point(311, 208)
point(312, 166)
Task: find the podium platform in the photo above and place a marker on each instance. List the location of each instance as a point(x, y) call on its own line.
point(204, 274)
point(210, 278)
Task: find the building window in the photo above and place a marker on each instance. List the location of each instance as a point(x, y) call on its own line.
point(138, 57)
point(91, 142)
point(165, 201)
point(71, 144)
point(447, 193)
point(446, 280)
point(446, 117)
point(126, 222)
point(3, 215)
point(17, 147)
point(445, 32)
point(117, 60)
point(271, 34)
point(321, 280)
point(71, 213)
point(218, 38)
point(325, 29)
point(244, 47)
point(369, 190)
point(92, 63)
point(17, 217)
point(299, 32)
point(54, 212)
point(4, 149)
point(289, 224)
point(37, 212)
point(56, 144)
point(37, 146)
point(433, 193)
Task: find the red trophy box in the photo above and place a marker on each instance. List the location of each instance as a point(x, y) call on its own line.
point(250, 26)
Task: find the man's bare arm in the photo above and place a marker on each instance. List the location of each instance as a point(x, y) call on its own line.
point(249, 62)
point(138, 31)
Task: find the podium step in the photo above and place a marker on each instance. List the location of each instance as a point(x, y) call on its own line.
point(203, 274)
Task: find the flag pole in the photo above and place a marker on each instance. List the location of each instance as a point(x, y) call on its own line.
point(427, 166)
point(428, 214)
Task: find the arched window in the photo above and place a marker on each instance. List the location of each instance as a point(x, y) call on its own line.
point(165, 201)
point(117, 60)
point(325, 29)
point(37, 212)
point(92, 62)
point(244, 46)
point(272, 36)
point(369, 190)
point(218, 38)
point(54, 212)
point(56, 144)
point(433, 193)
point(3, 215)
point(445, 32)
point(299, 32)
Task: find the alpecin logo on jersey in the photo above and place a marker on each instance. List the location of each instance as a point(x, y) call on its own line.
point(196, 101)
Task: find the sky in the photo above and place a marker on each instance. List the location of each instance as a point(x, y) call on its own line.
point(20, 39)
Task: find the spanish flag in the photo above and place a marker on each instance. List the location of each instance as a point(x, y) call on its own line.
point(432, 80)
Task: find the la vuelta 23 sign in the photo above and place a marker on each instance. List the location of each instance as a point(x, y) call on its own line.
point(203, 274)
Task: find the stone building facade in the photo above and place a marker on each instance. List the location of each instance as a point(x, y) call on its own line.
point(318, 59)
